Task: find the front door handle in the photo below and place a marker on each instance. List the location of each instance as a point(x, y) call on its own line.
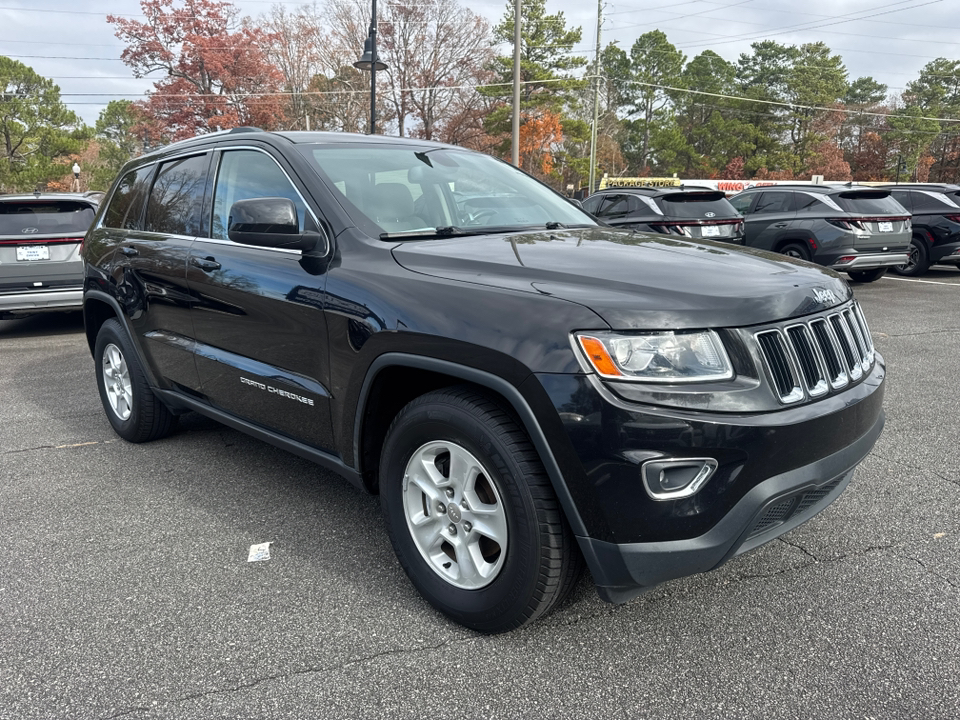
point(129, 251)
point(780, 225)
point(207, 263)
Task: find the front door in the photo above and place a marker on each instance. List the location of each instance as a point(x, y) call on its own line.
point(259, 322)
point(771, 214)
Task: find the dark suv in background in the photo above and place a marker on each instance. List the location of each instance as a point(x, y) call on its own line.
point(693, 212)
point(525, 389)
point(40, 236)
point(936, 225)
point(858, 230)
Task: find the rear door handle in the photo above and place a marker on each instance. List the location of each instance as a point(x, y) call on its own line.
point(207, 263)
point(129, 251)
point(780, 225)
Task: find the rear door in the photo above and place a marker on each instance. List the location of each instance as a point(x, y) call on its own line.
point(770, 216)
point(260, 327)
point(150, 269)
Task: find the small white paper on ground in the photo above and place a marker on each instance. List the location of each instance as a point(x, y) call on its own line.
point(259, 552)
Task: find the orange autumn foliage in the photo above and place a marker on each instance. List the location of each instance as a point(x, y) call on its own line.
point(540, 133)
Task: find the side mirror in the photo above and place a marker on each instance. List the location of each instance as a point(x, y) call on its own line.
point(269, 222)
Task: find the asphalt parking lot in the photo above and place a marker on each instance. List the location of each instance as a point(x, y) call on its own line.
point(126, 592)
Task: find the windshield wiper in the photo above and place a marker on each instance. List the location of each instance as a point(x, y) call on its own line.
point(448, 231)
point(554, 225)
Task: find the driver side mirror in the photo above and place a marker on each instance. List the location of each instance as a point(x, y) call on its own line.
point(270, 222)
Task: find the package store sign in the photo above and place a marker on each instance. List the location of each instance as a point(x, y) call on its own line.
point(609, 182)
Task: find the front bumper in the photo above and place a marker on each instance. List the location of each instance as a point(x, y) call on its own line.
point(769, 510)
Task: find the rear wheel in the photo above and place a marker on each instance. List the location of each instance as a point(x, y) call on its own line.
point(132, 409)
point(471, 513)
point(917, 259)
point(796, 250)
point(866, 276)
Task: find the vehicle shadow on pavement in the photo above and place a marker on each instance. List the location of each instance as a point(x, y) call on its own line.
point(42, 324)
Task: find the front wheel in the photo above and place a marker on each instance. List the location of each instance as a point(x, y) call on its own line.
point(471, 513)
point(132, 409)
point(867, 276)
point(917, 260)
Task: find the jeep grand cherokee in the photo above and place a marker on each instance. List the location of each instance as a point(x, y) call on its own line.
point(525, 389)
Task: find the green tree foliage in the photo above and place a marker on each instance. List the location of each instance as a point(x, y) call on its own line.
point(546, 70)
point(117, 139)
point(936, 93)
point(37, 131)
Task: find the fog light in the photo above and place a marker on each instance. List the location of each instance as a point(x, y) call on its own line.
point(676, 479)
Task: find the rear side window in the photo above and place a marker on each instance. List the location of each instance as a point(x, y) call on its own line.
point(127, 201)
point(932, 201)
point(592, 204)
point(697, 205)
point(870, 203)
point(773, 202)
point(619, 206)
point(176, 200)
point(49, 217)
point(246, 174)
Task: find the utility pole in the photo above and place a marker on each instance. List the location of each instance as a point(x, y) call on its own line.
point(516, 84)
point(596, 102)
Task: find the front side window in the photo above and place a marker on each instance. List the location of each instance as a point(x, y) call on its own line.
point(127, 200)
point(176, 199)
point(592, 204)
point(773, 202)
point(741, 203)
point(247, 174)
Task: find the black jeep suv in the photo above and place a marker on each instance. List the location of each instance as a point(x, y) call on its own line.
point(858, 230)
point(525, 389)
point(693, 212)
point(936, 225)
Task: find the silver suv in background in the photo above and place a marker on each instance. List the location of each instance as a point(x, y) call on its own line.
point(40, 237)
point(858, 230)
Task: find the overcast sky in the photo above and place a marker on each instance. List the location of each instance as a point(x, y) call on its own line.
point(890, 41)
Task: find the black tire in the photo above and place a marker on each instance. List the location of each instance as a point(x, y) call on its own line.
point(147, 418)
point(796, 250)
point(919, 260)
point(540, 563)
point(867, 276)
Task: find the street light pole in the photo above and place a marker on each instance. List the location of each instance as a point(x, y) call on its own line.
point(373, 70)
point(515, 134)
point(370, 61)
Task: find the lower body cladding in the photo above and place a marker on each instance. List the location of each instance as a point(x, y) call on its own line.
point(49, 299)
point(768, 473)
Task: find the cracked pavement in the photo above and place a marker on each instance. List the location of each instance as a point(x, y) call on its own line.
point(126, 592)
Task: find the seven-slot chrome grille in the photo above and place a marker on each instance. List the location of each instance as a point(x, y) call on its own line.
point(826, 352)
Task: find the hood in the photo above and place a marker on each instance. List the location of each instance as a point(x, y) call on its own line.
point(636, 280)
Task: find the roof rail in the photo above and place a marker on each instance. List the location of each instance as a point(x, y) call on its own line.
point(244, 129)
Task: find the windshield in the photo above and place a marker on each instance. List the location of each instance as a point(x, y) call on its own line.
point(403, 189)
point(697, 205)
point(870, 203)
point(32, 217)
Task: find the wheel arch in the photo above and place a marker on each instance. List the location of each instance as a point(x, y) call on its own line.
point(97, 309)
point(394, 379)
point(789, 238)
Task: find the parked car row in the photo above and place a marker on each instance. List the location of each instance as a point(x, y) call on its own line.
point(859, 230)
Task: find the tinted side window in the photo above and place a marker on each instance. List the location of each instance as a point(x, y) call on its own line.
point(930, 201)
point(592, 204)
point(127, 201)
point(904, 197)
point(616, 206)
point(246, 174)
point(176, 200)
point(742, 202)
point(773, 202)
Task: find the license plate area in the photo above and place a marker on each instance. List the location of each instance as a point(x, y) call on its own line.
point(711, 231)
point(886, 226)
point(29, 253)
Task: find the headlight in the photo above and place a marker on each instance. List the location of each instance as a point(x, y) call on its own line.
point(657, 356)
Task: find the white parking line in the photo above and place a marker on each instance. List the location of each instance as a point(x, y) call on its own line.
point(928, 282)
